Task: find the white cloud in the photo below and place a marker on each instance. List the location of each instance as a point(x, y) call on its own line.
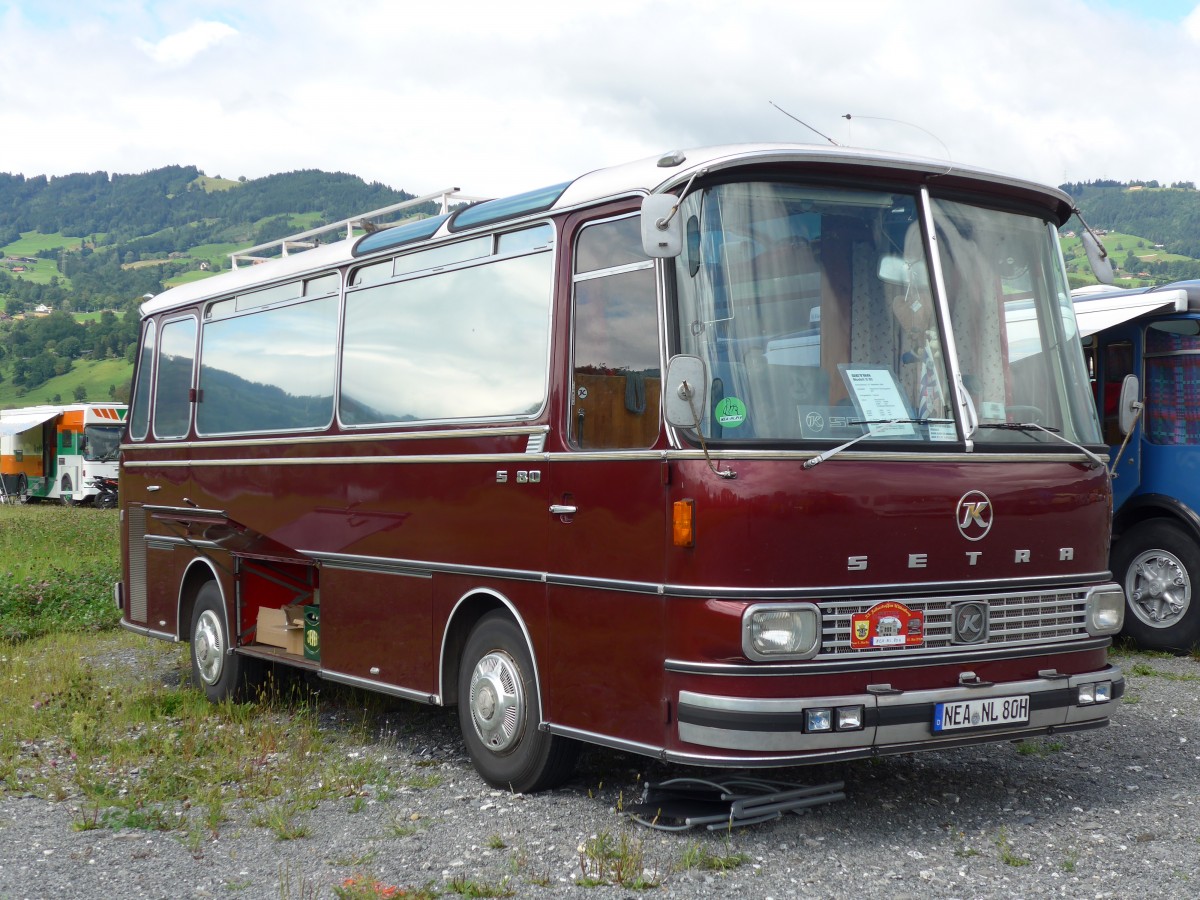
point(499, 99)
point(1191, 25)
point(181, 48)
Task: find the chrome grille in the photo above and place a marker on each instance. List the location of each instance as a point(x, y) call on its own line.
point(1041, 617)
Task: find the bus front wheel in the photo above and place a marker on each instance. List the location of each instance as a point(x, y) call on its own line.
point(221, 674)
point(1158, 563)
point(499, 712)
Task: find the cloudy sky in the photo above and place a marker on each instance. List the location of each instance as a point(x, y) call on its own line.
point(497, 98)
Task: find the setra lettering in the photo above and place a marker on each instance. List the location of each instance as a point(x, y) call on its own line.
point(973, 557)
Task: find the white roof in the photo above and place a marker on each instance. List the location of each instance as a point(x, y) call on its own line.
point(1095, 312)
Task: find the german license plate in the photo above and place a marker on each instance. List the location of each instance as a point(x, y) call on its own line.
point(982, 713)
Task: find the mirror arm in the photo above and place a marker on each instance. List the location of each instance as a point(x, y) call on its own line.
point(1137, 411)
point(663, 223)
point(687, 393)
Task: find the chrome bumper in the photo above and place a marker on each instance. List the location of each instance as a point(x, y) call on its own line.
point(893, 720)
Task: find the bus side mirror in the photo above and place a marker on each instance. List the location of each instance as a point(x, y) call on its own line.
point(685, 391)
point(1097, 257)
point(662, 235)
point(1129, 405)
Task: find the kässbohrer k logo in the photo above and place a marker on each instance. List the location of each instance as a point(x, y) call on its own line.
point(974, 515)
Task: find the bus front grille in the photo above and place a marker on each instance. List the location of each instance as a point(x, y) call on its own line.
point(1012, 619)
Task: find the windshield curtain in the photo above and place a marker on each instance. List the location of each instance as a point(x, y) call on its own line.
point(813, 312)
point(811, 309)
point(1014, 328)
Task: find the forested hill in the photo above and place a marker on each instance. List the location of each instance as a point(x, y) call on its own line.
point(127, 207)
point(98, 241)
point(1167, 215)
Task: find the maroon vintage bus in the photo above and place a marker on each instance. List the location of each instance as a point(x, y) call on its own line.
point(745, 456)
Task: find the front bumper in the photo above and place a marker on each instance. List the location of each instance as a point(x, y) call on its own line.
point(893, 721)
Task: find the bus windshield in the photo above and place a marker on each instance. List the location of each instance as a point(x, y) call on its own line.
point(101, 442)
point(814, 311)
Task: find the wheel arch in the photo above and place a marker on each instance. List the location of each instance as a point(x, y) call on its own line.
point(199, 572)
point(1145, 507)
point(470, 608)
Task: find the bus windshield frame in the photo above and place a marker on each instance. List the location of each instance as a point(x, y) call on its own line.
point(825, 314)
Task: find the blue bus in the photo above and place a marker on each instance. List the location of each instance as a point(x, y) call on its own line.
point(1143, 349)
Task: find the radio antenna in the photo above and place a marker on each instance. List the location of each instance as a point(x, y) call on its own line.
point(805, 124)
point(945, 149)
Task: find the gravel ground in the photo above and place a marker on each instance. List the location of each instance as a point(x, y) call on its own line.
point(1108, 813)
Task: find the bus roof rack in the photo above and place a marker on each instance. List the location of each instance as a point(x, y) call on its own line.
point(364, 221)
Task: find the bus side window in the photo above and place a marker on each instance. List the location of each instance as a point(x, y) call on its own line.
point(172, 393)
point(615, 372)
point(139, 415)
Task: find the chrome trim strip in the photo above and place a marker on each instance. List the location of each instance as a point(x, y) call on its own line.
point(370, 564)
point(149, 632)
point(604, 584)
point(993, 585)
point(170, 542)
point(980, 456)
point(518, 458)
point(353, 562)
point(948, 656)
point(1074, 580)
point(512, 610)
point(191, 512)
point(480, 431)
point(605, 740)
point(381, 687)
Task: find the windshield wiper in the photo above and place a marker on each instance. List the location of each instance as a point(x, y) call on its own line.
point(834, 451)
point(1027, 427)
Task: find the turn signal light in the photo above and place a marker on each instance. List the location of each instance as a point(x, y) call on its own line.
point(683, 520)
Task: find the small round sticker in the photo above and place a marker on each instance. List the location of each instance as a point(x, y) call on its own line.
point(730, 412)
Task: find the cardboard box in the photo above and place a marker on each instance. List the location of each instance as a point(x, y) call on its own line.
point(281, 628)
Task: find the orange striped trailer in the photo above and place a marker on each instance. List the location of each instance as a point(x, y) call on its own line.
point(56, 452)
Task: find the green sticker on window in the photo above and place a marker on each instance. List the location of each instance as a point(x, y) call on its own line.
point(730, 412)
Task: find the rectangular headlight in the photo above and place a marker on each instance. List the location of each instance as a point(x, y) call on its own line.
point(820, 719)
point(1105, 611)
point(772, 631)
point(1103, 691)
point(849, 718)
point(1087, 694)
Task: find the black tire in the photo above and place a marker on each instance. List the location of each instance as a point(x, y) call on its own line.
point(1158, 564)
point(220, 674)
point(22, 488)
point(106, 501)
point(64, 490)
point(499, 712)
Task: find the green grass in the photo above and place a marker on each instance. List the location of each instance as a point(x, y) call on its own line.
point(32, 242)
point(57, 568)
point(95, 376)
point(214, 184)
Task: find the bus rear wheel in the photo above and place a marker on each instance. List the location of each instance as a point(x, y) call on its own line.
point(222, 675)
point(1157, 564)
point(499, 712)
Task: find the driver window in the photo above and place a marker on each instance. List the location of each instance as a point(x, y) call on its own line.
point(615, 374)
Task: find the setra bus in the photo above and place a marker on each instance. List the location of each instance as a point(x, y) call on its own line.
point(748, 456)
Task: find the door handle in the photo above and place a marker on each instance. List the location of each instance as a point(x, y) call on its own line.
point(561, 509)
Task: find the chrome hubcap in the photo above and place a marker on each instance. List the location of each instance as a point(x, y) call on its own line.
point(208, 647)
point(1158, 588)
point(497, 701)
